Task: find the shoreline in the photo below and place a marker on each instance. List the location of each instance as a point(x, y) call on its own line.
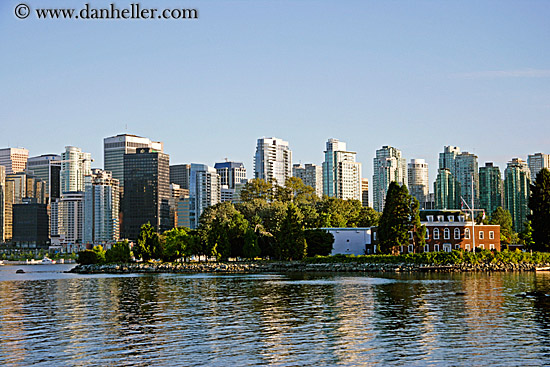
point(294, 267)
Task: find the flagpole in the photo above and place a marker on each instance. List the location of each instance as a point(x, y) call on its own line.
point(473, 219)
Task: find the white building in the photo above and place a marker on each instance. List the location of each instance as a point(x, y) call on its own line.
point(341, 173)
point(388, 166)
point(14, 159)
point(204, 191)
point(273, 160)
point(537, 162)
point(71, 216)
point(75, 164)
point(311, 175)
point(101, 208)
point(418, 181)
point(231, 173)
point(350, 241)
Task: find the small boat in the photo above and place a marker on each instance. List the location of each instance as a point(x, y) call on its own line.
point(547, 268)
point(20, 271)
point(47, 261)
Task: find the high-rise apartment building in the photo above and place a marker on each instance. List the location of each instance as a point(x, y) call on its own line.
point(388, 166)
point(463, 167)
point(418, 181)
point(445, 191)
point(341, 173)
point(70, 215)
point(311, 175)
point(537, 162)
point(101, 208)
point(75, 164)
point(114, 148)
point(146, 192)
point(14, 159)
point(517, 178)
point(491, 188)
point(2, 202)
point(204, 191)
point(177, 195)
point(179, 175)
point(273, 160)
point(231, 173)
point(365, 191)
point(47, 168)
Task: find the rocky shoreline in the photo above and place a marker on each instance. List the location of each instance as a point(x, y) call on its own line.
point(292, 267)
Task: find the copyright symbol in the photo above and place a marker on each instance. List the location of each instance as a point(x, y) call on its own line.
point(22, 11)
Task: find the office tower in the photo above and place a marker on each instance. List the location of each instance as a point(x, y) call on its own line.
point(177, 194)
point(2, 202)
point(70, 213)
point(179, 175)
point(418, 180)
point(388, 166)
point(517, 178)
point(365, 191)
point(47, 167)
point(273, 160)
point(341, 173)
point(537, 162)
point(101, 208)
point(14, 159)
point(30, 225)
point(490, 188)
point(231, 173)
point(463, 167)
point(204, 191)
point(445, 192)
point(75, 164)
point(146, 192)
point(311, 175)
point(114, 148)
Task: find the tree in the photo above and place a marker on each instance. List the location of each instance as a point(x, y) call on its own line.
point(395, 222)
point(119, 253)
point(290, 239)
point(319, 242)
point(148, 244)
point(367, 217)
point(539, 203)
point(257, 188)
point(251, 248)
point(503, 218)
point(177, 243)
point(98, 249)
point(526, 236)
point(417, 228)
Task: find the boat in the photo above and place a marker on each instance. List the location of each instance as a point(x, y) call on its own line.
point(47, 261)
point(547, 268)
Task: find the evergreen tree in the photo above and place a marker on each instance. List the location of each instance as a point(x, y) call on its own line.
point(395, 221)
point(539, 203)
point(417, 228)
point(290, 239)
point(251, 248)
point(503, 218)
point(148, 245)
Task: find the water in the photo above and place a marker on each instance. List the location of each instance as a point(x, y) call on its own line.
point(49, 318)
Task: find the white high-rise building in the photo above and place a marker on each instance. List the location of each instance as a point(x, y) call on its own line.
point(311, 175)
point(273, 160)
point(537, 162)
point(70, 217)
point(75, 164)
point(101, 208)
point(341, 173)
point(14, 159)
point(204, 191)
point(388, 166)
point(418, 180)
point(114, 148)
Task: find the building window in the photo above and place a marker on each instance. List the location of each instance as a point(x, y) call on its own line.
point(482, 246)
point(411, 249)
point(401, 249)
point(436, 247)
point(446, 233)
point(374, 236)
point(441, 218)
point(430, 218)
point(457, 246)
point(427, 233)
point(467, 233)
point(447, 247)
point(461, 218)
point(457, 233)
point(436, 233)
point(491, 235)
point(481, 235)
point(451, 218)
point(467, 247)
point(410, 235)
point(492, 246)
point(426, 248)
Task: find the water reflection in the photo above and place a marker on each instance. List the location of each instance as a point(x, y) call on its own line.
point(311, 319)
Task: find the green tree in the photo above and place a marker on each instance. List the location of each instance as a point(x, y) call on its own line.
point(87, 257)
point(251, 248)
point(176, 243)
point(290, 239)
point(119, 253)
point(367, 217)
point(526, 236)
point(503, 218)
point(395, 221)
point(257, 188)
point(539, 203)
point(148, 244)
point(319, 242)
point(417, 228)
point(98, 249)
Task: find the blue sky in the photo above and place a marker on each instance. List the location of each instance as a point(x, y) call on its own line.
point(416, 75)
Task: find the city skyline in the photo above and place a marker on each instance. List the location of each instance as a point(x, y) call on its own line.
point(469, 74)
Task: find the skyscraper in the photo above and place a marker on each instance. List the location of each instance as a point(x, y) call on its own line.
point(273, 160)
point(70, 213)
point(231, 173)
point(14, 159)
point(179, 175)
point(311, 175)
point(463, 167)
point(146, 192)
point(537, 162)
point(204, 191)
point(75, 164)
point(101, 208)
point(341, 173)
point(114, 148)
point(490, 188)
point(418, 180)
point(47, 167)
point(2, 202)
point(517, 178)
point(445, 192)
point(365, 191)
point(388, 166)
